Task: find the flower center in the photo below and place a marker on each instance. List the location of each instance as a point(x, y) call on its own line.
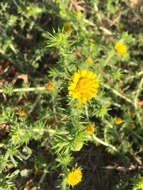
point(83, 85)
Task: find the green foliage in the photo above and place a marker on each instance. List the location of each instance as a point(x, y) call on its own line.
point(132, 182)
point(42, 127)
point(138, 183)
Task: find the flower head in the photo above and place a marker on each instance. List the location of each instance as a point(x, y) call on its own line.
point(83, 86)
point(90, 129)
point(91, 42)
point(120, 48)
point(28, 8)
point(67, 28)
point(78, 14)
point(118, 120)
point(22, 112)
point(89, 60)
point(50, 85)
point(74, 177)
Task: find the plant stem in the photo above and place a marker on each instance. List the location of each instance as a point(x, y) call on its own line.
point(33, 105)
point(86, 112)
point(108, 58)
point(26, 89)
point(134, 76)
point(118, 94)
point(136, 101)
point(96, 139)
point(43, 177)
point(108, 123)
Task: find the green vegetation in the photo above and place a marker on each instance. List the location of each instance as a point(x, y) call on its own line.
point(71, 86)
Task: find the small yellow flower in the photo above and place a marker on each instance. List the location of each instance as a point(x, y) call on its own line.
point(83, 86)
point(91, 42)
point(50, 85)
point(74, 177)
point(90, 129)
point(67, 28)
point(22, 112)
point(28, 8)
point(78, 14)
point(89, 60)
point(120, 48)
point(133, 126)
point(118, 120)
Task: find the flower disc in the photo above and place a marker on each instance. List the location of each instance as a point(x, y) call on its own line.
point(83, 86)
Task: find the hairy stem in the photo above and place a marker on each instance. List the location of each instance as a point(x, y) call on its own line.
point(96, 139)
point(26, 89)
point(118, 94)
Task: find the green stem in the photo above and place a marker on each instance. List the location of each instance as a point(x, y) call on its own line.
point(136, 101)
point(135, 76)
point(106, 31)
point(33, 105)
point(15, 3)
point(96, 139)
point(118, 94)
point(108, 123)
point(26, 89)
point(108, 58)
point(86, 111)
point(43, 177)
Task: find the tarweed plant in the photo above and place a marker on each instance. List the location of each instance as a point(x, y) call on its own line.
point(71, 73)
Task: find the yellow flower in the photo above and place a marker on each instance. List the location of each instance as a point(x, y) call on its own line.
point(28, 8)
point(91, 42)
point(83, 86)
point(74, 177)
point(67, 28)
point(89, 60)
point(90, 129)
point(50, 85)
point(118, 120)
point(120, 48)
point(22, 112)
point(78, 14)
